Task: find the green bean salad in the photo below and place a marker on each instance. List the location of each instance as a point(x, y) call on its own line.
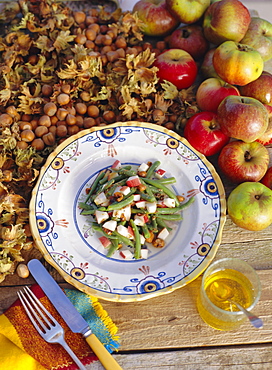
point(132, 208)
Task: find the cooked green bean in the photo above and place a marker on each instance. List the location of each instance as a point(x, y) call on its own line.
point(108, 184)
point(86, 212)
point(113, 247)
point(171, 217)
point(137, 253)
point(167, 191)
point(152, 168)
point(122, 204)
point(163, 224)
point(154, 224)
point(167, 180)
point(110, 191)
point(99, 228)
point(139, 210)
point(84, 206)
point(123, 171)
point(188, 203)
point(146, 232)
point(154, 190)
point(147, 197)
point(94, 184)
point(167, 210)
point(149, 192)
point(123, 239)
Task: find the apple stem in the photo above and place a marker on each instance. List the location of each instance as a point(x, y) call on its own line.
point(243, 47)
point(213, 125)
point(185, 34)
point(247, 156)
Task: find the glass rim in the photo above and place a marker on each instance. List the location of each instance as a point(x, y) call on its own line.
point(228, 259)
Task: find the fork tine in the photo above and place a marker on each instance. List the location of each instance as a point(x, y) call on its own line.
point(39, 307)
point(49, 329)
point(29, 314)
point(40, 310)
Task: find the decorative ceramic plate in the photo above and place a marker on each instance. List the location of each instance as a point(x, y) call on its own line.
point(66, 239)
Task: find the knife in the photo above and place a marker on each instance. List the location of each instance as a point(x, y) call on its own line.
point(69, 313)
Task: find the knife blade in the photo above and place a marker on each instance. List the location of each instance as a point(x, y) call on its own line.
point(69, 313)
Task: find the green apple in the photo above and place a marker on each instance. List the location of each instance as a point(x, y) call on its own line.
point(187, 11)
point(236, 63)
point(259, 36)
point(249, 206)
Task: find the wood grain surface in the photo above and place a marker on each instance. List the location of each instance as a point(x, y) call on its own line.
point(167, 333)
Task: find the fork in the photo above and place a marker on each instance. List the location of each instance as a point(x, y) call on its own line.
point(45, 324)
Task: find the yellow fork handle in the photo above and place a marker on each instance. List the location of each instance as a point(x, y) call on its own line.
point(102, 353)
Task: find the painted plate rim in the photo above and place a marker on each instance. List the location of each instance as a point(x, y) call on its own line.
point(137, 296)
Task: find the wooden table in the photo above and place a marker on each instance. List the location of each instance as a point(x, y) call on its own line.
point(167, 332)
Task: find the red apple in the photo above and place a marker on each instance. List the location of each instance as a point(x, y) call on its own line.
point(191, 39)
point(207, 68)
point(237, 64)
point(187, 11)
point(240, 161)
point(203, 133)
point(266, 138)
point(176, 66)
point(267, 179)
point(211, 92)
point(260, 89)
point(242, 118)
point(259, 36)
point(249, 206)
point(156, 19)
point(226, 20)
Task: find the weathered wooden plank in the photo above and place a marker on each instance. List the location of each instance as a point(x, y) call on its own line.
point(172, 321)
point(231, 358)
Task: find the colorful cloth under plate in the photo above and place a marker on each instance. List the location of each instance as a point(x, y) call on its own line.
point(22, 348)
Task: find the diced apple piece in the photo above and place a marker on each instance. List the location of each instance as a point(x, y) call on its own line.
point(117, 190)
point(116, 165)
point(140, 204)
point(140, 220)
point(100, 198)
point(130, 232)
point(125, 190)
point(127, 212)
point(133, 181)
point(159, 173)
point(101, 216)
point(151, 207)
point(123, 230)
point(142, 239)
point(137, 197)
point(126, 254)
point(123, 213)
point(112, 175)
point(163, 234)
point(143, 167)
point(144, 253)
point(110, 225)
point(106, 203)
point(105, 241)
point(169, 202)
point(161, 204)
